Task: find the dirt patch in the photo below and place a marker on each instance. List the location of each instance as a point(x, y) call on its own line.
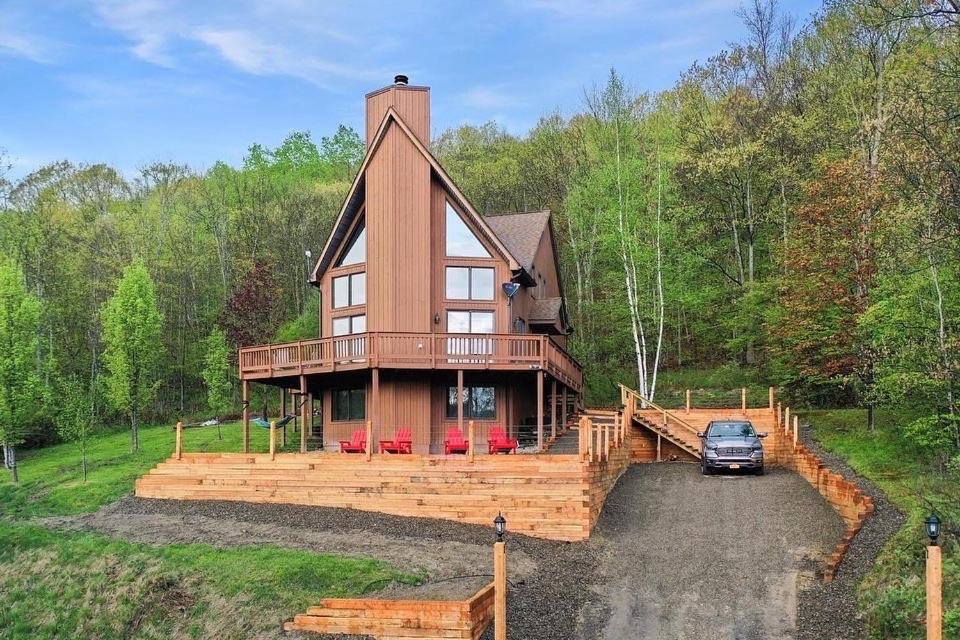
point(452, 570)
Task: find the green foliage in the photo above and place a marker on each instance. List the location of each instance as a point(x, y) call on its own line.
point(216, 373)
point(131, 333)
point(304, 327)
point(892, 595)
point(19, 376)
point(119, 589)
point(75, 418)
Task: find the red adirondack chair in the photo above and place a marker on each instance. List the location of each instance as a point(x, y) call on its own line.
point(499, 442)
point(402, 442)
point(356, 444)
point(455, 442)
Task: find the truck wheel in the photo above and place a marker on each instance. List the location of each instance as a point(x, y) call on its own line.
point(759, 471)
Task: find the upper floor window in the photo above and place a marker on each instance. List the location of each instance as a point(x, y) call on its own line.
point(350, 290)
point(356, 251)
point(461, 242)
point(470, 283)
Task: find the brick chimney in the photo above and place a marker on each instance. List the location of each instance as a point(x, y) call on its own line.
point(412, 104)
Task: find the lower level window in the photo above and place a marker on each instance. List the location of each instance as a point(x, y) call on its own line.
point(350, 404)
point(478, 402)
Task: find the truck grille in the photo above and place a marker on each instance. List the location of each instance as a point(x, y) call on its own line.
point(733, 451)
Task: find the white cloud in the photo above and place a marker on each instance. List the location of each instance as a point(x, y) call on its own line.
point(244, 50)
point(150, 24)
point(17, 42)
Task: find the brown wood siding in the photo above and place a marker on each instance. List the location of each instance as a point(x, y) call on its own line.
point(405, 402)
point(412, 104)
point(398, 237)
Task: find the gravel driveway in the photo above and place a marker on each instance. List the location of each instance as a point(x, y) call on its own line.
point(688, 556)
point(675, 555)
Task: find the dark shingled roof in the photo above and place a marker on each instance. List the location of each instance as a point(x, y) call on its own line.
point(520, 233)
point(546, 310)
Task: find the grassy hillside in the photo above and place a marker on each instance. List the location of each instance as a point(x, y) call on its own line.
point(892, 596)
point(117, 589)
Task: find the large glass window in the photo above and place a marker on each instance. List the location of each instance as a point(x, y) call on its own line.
point(460, 240)
point(470, 283)
point(357, 248)
point(478, 402)
point(350, 404)
point(470, 321)
point(350, 290)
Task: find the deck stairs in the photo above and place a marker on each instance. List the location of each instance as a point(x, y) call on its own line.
point(646, 414)
point(569, 442)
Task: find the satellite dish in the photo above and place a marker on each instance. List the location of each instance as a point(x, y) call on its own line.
point(510, 289)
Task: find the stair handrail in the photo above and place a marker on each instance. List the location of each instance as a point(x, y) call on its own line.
point(624, 389)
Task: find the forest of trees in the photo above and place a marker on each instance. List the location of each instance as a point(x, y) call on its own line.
point(791, 205)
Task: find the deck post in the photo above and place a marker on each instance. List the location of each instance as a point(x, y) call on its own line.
point(796, 429)
point(658, 448)
point(375, 404)
point(934, 593)
point(771, 394)
point(582, 434)
point(304, 427)
point(511, 432)
point(179, 446)
point(688, 400)
point(540, 410)
point(590, 431)
point(460, 400)
point(779, 417)
point(499, 591)
point(245, 396)
point(369, 447)
point(743, 399)
point(304, 413)
point(553, 410)
point(563, 409)
point(283, 402)
point(606, 442)
point(273, 439)
point(472, 435)
point(786, 419)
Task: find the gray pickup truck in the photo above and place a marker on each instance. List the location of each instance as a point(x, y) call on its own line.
point(731, 444)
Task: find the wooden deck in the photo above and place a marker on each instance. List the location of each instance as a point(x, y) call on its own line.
point(455, 351)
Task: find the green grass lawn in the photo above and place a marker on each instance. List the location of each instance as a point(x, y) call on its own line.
point(892, 595)
point(51, 482)
point(57, 584)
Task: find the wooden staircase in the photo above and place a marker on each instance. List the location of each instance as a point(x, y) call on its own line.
point(569, 442)
point(643, 413)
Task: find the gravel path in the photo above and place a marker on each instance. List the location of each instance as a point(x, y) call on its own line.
point(830, 611)
point(684, 555)
point(673, 555)
point(548, 579)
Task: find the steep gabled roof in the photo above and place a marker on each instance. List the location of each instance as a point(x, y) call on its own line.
point(521, 232)
point(354, 200)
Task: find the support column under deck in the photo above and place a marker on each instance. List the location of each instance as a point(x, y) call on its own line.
point(540, 410)
point(563, 410)
point(245, 397)
point(553, 409)
point(304, 413)
point(375, 413)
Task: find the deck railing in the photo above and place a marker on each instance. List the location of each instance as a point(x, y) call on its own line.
point(413, 350)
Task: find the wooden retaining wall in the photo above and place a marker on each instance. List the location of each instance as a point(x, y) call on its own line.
point(549, 496)
point(400, 619)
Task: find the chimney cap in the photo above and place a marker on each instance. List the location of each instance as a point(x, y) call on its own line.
point(400, 79)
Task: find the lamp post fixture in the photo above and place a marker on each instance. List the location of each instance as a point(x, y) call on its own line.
point(933, 528)
point(934, 580)
point(500, 580)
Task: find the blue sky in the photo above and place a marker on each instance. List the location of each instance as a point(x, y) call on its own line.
point(136, 81)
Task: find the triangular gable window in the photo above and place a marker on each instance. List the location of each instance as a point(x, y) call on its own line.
point(357, 247)
point(461, 242)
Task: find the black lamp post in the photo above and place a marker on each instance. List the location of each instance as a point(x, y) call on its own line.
point(501, 526)
point(933, 528)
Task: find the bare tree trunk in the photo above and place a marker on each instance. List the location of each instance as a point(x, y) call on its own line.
point(660, 301)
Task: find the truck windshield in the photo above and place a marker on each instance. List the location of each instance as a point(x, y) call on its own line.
point(731, 430)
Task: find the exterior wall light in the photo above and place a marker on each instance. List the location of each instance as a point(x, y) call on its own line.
point(933, 528)
point(501, 526)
